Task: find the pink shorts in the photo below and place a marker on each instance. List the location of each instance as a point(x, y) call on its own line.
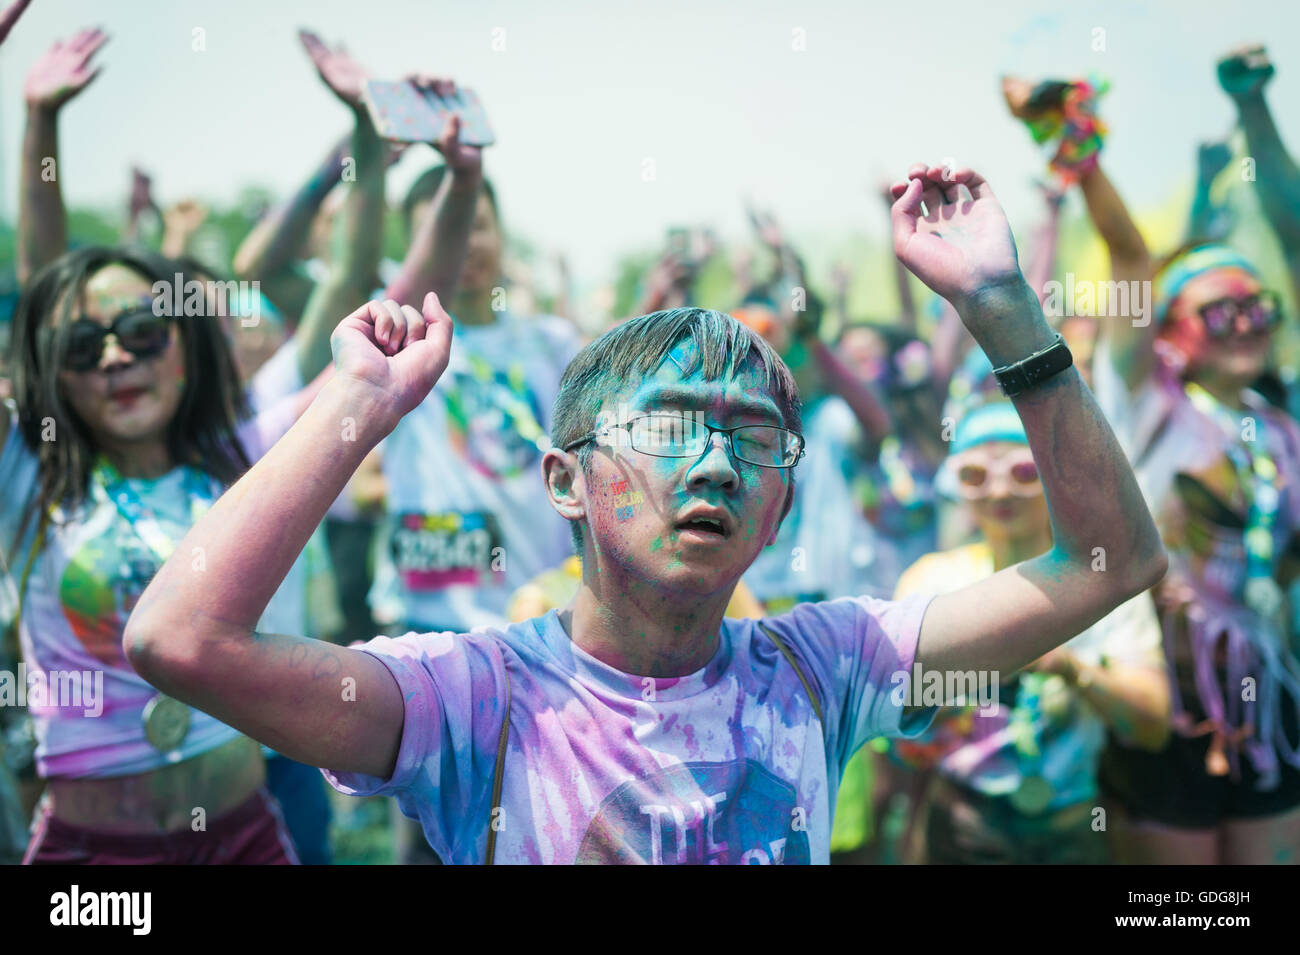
point(253, 833)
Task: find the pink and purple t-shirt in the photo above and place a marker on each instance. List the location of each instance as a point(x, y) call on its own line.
point(725, 765)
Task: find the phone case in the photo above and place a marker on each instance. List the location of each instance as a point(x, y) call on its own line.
point(402, 113)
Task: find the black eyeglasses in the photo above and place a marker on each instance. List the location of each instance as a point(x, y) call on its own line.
point(683, 436)
point(1220, 316)
point(142, 333)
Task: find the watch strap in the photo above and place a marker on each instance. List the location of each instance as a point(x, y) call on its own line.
point(1034, 370)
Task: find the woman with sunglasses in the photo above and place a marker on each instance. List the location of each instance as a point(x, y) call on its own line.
point(1012, 778)
point(126, 429)
point(1221, 468)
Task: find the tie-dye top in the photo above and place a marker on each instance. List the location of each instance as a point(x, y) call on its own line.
point(83, 584)
point(726, 765)
point(1215, 640)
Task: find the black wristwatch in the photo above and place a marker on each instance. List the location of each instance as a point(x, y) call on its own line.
point(1034, 370)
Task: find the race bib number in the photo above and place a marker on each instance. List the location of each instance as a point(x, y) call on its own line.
point(434, 551)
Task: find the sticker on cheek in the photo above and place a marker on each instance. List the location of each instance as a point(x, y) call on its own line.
point(626, 501)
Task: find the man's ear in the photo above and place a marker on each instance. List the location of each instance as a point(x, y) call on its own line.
point(566, 485)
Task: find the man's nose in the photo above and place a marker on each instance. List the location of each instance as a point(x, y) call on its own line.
point(715, 465)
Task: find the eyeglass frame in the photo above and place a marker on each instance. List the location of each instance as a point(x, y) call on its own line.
point(1002, 468)
point(731, 448)
point(1254, 298)
point(112, 329)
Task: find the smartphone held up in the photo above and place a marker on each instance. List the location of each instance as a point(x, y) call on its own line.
point(403, 112)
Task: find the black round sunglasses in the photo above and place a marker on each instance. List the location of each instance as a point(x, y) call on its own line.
point(141, 332)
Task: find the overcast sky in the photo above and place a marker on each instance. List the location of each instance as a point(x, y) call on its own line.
point(719, 96)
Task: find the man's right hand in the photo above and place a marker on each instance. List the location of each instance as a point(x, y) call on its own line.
point(394, 349)
point(959, 244)
point(64, 71)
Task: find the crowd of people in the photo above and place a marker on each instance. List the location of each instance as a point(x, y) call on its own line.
point(644, 596)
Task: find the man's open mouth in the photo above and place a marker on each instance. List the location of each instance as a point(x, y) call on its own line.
point(712, 523)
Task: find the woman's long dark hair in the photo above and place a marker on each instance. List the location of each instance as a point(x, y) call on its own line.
point(201, 434)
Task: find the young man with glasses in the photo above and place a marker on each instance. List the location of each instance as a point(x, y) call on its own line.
point(638, 725)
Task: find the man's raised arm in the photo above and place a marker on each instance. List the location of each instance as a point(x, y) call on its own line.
point(192, 632)
point(1105, 545)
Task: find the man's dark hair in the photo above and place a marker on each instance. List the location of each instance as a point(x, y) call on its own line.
point(635, 349)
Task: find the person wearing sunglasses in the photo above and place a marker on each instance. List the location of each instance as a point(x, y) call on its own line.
point(126, 425)
point(638, 724)
point(137, 330)
point(1220, 466)
point(1013, 778)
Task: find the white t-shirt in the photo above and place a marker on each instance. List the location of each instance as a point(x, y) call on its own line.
point(81, 590)
point(468, 521)
point(725, 765)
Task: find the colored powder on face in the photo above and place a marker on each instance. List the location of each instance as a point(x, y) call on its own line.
point(626, 501)
point(657, 544)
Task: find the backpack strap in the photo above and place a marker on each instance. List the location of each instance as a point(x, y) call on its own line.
point(498, 775)
point(790, 658)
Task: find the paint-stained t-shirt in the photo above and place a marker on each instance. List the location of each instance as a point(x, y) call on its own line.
point(726, 765)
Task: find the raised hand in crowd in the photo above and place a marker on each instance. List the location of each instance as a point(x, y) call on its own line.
point(951, 232)
point(1043, 250)
point(344, 76)
point(140, 203)
point(181, 221)
point(1243, 74)
point(357, 237)
point(1208, 221)
point(440, 244)
point(58, 76)
point(10, 17)
point(907, 315)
